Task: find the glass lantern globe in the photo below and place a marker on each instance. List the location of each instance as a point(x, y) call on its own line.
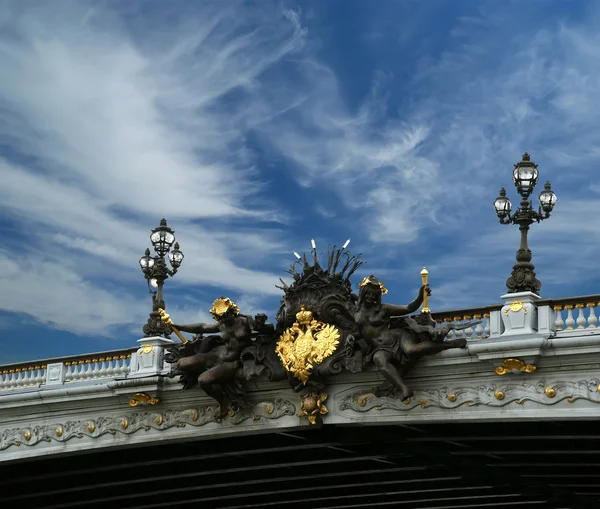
point(547, 198)
point(176, 256)
point(525, 176)
point(146, 262)
point(162, 238)
point(502, 205)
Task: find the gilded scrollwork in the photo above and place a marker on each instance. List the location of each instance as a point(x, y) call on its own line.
point(134, 422)
point(493, 395)
point(514, 366)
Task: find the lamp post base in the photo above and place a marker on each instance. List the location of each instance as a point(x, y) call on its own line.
point(522, 278)
point(155, 326)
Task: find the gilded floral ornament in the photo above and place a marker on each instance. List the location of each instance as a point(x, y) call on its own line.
point(306, 344)
point(312, 406)
point(515, 307)
point(141, 398)
point(221, 306)
point(514, 366)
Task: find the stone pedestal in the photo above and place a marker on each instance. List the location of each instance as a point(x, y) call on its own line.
point(519, 314)
point(149, 359)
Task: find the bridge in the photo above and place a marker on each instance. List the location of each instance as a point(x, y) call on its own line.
point(510, 420)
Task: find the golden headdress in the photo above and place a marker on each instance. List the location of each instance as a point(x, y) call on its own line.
point(372, 280)
point(221, 306)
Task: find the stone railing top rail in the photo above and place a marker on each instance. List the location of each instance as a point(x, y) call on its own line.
point(72, 359)
point(464, 312)
point(566, 301)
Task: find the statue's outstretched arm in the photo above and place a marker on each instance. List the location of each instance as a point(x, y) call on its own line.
point(393, 310)
point(198, 328)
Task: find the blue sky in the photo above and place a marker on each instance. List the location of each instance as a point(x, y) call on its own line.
point(256, 126)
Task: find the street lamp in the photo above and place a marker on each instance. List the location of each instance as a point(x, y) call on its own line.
point(525, 177)
point(156, 272)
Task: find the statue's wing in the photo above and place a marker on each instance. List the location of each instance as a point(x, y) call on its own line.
point(328, 339)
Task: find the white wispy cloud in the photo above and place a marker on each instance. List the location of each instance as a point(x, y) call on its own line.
point(115, 119)
point(108, 134)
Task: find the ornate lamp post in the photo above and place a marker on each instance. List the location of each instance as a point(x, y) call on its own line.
point(156, 272)
point(525, 177)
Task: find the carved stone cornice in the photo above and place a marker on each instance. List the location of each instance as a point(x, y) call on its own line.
point(493, 395)
point(129, 423)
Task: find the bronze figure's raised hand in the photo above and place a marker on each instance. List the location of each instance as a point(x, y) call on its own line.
point(166, 318)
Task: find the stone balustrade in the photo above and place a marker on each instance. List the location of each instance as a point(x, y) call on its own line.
point(556, 317)
point(573, 313)
point(20, 376)
point(106, 365)
point(111, 365)
point(480, 331)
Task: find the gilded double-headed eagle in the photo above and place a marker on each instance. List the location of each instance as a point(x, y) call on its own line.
point(306, 344)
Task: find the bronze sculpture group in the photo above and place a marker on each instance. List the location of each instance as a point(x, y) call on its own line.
point(322, 328)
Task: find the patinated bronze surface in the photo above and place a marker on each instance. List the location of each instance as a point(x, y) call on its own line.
point(213, 362)
point(322, 328)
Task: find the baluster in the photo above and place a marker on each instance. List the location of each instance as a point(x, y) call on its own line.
point(558, 320)
point(478, 328)
point(28, 377)
point(570, 321)
point(486, 327)
point(458, 334)
point(95, 368)
point(73, 372)
point(468, 330)
point(18, 378)
point(580, 317)
point(68, 371)
point(102, 373)
point(38, 375)
point(114, 366)
point(592, 319)
point(79, 371)
point(89, 372)
point(124, 367)
point(3, 380)
point(450, 334)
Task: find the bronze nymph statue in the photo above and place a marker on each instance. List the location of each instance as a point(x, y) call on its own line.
point(212, 362)
point(387, 349)
point(396, 341)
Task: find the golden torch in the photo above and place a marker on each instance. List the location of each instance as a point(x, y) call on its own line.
point(424, 279)
point(166, 318)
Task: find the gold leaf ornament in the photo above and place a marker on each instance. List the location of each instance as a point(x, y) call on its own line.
point(221, 306)
point(306, 343)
